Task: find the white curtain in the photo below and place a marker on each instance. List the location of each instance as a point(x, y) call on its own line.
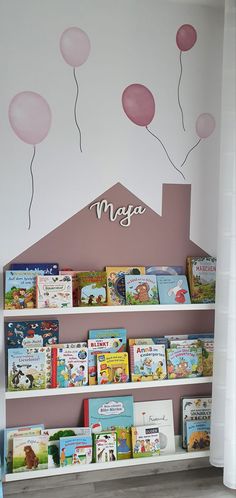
point(223, 428)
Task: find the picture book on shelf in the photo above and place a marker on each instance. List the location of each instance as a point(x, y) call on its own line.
point(54, 291)
point(29, 368)
point(112, 368)
point(116, 282)
point(164, 270)
point(109, 334)
point(69, 367)
point(207, 356)
point(20, 289)
point(194, 408)
point(184, 362)
point(30, 453)
point(54, 436)
point(46, 268)
point(92, 288)
point(13, 432)
point(96, 346)
point(145, 441)
point(105, 447)
point(148, 340)
point(76, 450)
point(173, 289)
point(141, 289)
point(201, 273)
point(75, 289)
point(147, 362)
point(198, 435)
point(32, 334)
point(159, 413)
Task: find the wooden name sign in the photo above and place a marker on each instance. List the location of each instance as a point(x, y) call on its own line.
point(126, 211)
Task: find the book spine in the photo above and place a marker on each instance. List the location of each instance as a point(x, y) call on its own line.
point(86, 413)
point(131, 359)
point(54, 368)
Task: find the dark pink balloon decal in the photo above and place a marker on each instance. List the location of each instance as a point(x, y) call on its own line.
point(30, 118)
point(186, 38)
point(75, 49)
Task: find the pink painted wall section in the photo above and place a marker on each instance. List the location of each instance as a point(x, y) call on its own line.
point(86, 243)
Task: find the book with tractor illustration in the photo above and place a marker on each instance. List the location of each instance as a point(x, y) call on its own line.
point(194, 408)
point(141, 289)
point(92, 288)
point(202, 279)
point(54, 436)
point(173, 289)
point(109, 334)
point(13, 432)
point(29, 369)
point(164, 270)
point(69, 367)
point(145, 441)
point(198, 435)
point(112, 368)
point(147, 362)
point(184, 362)
point(32, 334)
point(76, 450)
point(30, 453)
point(20, 289)
point(105, 447)
point(46, 268)
point(54, 291)
point(116, 282)
point(96, 346)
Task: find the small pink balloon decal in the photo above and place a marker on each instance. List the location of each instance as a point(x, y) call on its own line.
point(138, 104)
point(75, 49)
point(30, 118)
point(186, 38)
point(205, 125)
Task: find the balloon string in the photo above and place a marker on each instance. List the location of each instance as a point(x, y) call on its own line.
point(180, 76)
point(159, 140)
point(75, 108)
point(32, 186)
point(186, 157)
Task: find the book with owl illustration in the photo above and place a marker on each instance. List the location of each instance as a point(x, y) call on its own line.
point(30, 453)
point(54, 291)
point(202, 279)
point(112, 368)
point(147, 362)
point(184, 362)
point(173, 289)
point(198, 435)
point(96, 346)
point(141, 289)
point(159, 413)
point(194, 408)
point(145, 441)
point(92, 288)
point(116, 282)
point(32, 333)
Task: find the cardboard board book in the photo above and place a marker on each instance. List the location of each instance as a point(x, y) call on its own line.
point(145, 441)
point(147, 362)
point(32, 334)
point(116, 282)
point(141, 289)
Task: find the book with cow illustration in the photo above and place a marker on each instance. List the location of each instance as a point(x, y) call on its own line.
point(29, 369)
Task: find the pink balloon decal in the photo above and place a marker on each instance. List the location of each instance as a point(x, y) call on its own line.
point(30, 118)
point(138, 104)
point(186, 38)
point(75, 49)
point(205, 125)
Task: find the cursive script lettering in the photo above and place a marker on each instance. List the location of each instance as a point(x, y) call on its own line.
point(127, 212)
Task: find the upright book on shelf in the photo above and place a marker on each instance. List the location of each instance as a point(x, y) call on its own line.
point(13, 432)
point(54, 291)
point(92, 288)
point(116, 282)
point(112, 368)
point(32, 334)
point(164, 270)
point(184, 362)
point(201, 273)
point(173, 289)
point(147, 362)
point(46, 268)
point(105, 447)
point(98, 346)
point(30, 453)
point(69, 367)
point(29, 369)
point(20, 289)
point(141, 289)
point(198, 434)
point(145, 441)
point(76, 450)
point(194, 408)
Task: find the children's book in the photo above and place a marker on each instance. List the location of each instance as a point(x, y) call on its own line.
point(202, 279)
point(13, 432)
point(32, 334)
point(164, 270)
point(184, 362)
point(76, 450)
point(141, 289)
point(54, 291)
point(113, 413)
point(29, 368)
point(96, 346)
point(30, 453)
point(160, 414)
point(116, 282)
point(198, 435)
point(207, 335)
point(147, 362)
point(46, 268)
point(184, 343)
point(92, 288)
point(207, 356)
point(74, 276)
point(105, 447)
point(194, 408)
point(108, 333)
point(20, 289)
point(145, 441)
point(69, 367)
point(173, 289)
point(112, 368)
point(54, 436)
point(148, 340)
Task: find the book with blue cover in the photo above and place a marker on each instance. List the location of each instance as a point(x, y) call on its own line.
point(141, 289)
point(173, 289)
point(198, 435)
point(46, 268)
point(109, 334)
point(164, 270)
point(76, 450)
point(20, 289)
point(30, 334)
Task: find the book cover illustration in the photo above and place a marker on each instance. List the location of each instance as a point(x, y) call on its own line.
point(30, 453)
point(13, 432)
point(75, 289)
point(148, 340)
point(184, 362)
point(46, 268)
point(92, 288)
point(116, 282)
point(164, 270)
point(109, 334)
point(160, 414)
point(105, 447)
point(54, 291)
point(96, 346)
point(198, 435)
point(145, 441)
point(194, 408)
point(29, 368)
point(69, 367)
point(147, 362)
point(207, 356)
point(173, 289)
point(202, 279)
point(54, 436)
point(112, 368)
point(184, 343)
point(76, 450)
point(32, 334)
point(20, 289)
point(141, 289)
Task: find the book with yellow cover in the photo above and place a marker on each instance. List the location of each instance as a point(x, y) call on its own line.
point(112, 368)
point(116, 282)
